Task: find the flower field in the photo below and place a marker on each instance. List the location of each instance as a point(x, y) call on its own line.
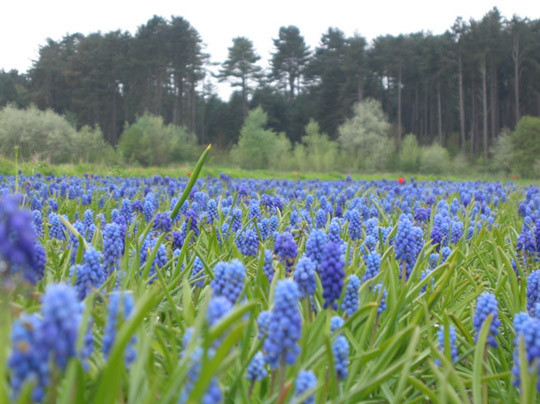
point(190, 290)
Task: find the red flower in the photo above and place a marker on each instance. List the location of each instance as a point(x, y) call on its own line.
point(401, 180)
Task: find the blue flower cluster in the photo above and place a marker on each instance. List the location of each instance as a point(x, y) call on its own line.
point(285, 326)
point(486, 304)
point(332, 274)
point(350, 301)
point(527, 332)
point(314, 246)
point(113, 246)
point(304, 276)
point(286, 249)
point(229, 280)
point(90, 274)
point(50, 340)
point(453, 343)
point(120, 309)
point(408, 243)
point(256, 369)
point(340, 349)
point(305, 381)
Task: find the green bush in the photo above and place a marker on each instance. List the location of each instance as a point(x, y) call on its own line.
point(259, 147)
point(502, 152)
point(409, 156)
point(459, 165)
point(49, 137)
point(365, 136)
point(148, 141)
point(89, 146)
point(281, 153)
point(525, 142)
point(435, 160)
point(299, 158)
point(39, 135)
point(321, 152)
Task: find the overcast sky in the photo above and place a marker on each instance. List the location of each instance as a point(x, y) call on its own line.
point(25, 25)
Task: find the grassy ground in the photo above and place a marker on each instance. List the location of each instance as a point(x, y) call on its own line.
point(9, 167)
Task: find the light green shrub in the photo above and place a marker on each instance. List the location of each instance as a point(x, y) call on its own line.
point(321, 152)
point(435, 160)
point(89, 146)
point(525, 140)
point(410, 154)
point(39, 135)
point(502, 152)
point(281, 158)
point(148, 141)
point(365, 136)
point(256, 145)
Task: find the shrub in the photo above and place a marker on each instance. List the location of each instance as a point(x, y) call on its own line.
point(258, 147)
point(435, 160)
point(148, 141)
point(536, 168)
point(41, 135)
point(365, 136)
point(525, 142)
point(502, 152)
point(89, 146)
point(299, 159)
point(409, 156)
point(321, 152)
point(459, 165)
point(281, 156)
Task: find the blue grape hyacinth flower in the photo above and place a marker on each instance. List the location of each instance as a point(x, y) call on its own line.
point(120, 309)
point(332, 274)
point(285, 327)
point(305, 381)
point(486, 304)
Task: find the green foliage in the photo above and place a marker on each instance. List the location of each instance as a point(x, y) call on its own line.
point(526, 144)
point(435, 160)
point(459, 165)
point(281, 153)
point(290, 58)
point(47, 136)
point(502, 152)
point(149, 141)
point(410, 156)
point(259, 147)
point(365, 136)
point(321, 152)
point(89, 146)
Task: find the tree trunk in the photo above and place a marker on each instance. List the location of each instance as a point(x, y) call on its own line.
point(244, 97)
point(399, 110)
point(360, 90)
point(416, 114)
point(426, 115)
point(114, 133)
point(439, 112)
point(176, 104)
point(159, 94)
point(292, 79)
point(461, 105)
point(517, 59)
point(193, 106)
point(484, 107)
point(473, 119)
point(494, 103)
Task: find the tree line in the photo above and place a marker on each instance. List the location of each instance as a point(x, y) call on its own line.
point(459, 88)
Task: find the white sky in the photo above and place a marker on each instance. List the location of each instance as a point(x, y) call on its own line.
point(25, 25)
